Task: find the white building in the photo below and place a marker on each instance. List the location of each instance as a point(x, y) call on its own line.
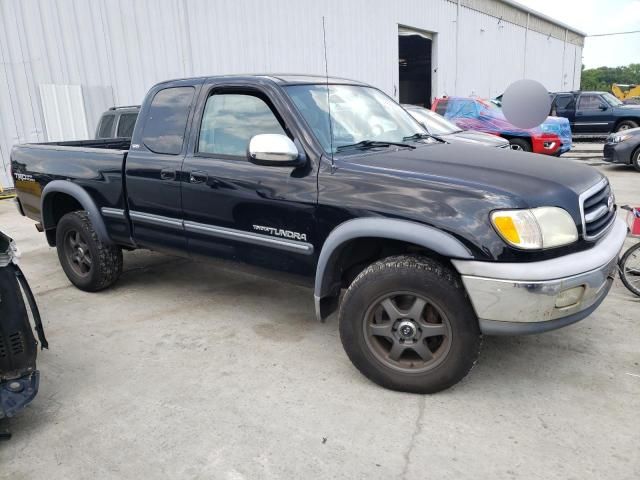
point(63, 62)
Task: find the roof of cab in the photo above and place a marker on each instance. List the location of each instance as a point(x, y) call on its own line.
point(279, 78)
point(300, 79)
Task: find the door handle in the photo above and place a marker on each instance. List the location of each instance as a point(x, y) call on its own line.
point(197, 176)
point(167, 174)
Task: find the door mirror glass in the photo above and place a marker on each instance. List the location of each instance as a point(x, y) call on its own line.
point(603, 107)
point(273, 149)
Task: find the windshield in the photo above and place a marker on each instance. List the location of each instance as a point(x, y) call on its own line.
point(611, 100)
point(434, 123)
point(358, 113)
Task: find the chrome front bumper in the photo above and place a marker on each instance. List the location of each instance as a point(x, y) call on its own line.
point(522, 298)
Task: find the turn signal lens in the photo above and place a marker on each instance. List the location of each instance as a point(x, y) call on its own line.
point(518, 228)
point(507, 229)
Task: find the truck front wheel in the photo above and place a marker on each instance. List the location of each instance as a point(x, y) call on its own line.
point(626, 125)
point(407, 324)
point(88, 263)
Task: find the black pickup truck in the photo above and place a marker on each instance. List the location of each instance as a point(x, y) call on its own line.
point(331, 181)
point(594, 113)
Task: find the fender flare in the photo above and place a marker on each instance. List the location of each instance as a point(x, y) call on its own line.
point(82, 197)
point(432, 238)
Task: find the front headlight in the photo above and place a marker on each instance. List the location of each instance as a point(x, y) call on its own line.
point(619, 138)
point(536, 228)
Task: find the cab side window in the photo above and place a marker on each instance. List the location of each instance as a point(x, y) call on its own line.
point(590, 102)
point(166, 121)
point(231, 119)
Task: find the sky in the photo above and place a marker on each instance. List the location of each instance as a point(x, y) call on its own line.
point(598, 16)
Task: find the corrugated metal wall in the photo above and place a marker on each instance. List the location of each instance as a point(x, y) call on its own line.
point(114, 50)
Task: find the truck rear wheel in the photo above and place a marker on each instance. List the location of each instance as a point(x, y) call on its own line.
point(88, 263)
point(407, 324)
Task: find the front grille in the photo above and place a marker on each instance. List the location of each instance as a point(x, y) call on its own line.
point(597, 210)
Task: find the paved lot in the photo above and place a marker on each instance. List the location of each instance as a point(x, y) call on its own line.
point(195, 370)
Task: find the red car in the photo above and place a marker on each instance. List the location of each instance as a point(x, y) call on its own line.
point(553, 137)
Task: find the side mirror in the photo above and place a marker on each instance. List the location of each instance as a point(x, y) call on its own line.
point(603, 107)
point(272, 149)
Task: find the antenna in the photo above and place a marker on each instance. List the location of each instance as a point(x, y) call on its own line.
point(326, 76)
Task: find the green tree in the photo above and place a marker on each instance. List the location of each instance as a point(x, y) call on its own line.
point(602, 78)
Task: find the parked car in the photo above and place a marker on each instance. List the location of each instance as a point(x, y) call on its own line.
point(117, 122)
point(442, 128)
point(19, 378)
point(431, 243)
point(594, 113)
point(553, 137)
point(623, 147)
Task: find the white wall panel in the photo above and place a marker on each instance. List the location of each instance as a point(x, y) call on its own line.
point(544, 60)
point(63, 112)
point(116, 49)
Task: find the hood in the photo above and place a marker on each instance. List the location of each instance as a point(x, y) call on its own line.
point(476, 138)
point(530, 180)
point(630, 106)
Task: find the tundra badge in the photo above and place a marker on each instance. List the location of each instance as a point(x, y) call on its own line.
point(279, 232)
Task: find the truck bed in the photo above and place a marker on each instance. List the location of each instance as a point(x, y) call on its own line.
point(96, 165)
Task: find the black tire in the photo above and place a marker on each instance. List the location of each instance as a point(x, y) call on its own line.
point(635, 159)
point(631, 261)
point(424, 279)
point(520, 144)
point(626, 125)
point(88, 263)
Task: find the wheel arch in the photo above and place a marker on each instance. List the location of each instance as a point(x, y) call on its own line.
point(625, 119)
point(60, 197)
point(329, 271)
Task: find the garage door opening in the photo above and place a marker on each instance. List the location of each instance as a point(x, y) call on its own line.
point(414, 63)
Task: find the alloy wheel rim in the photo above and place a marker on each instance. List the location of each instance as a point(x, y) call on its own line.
point(407, 332)
point(78, 253)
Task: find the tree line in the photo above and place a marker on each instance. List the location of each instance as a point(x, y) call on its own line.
point(602, 78)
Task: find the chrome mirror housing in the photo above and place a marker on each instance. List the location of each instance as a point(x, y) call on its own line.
point(274, 150)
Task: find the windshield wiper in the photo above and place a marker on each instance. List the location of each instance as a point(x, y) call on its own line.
point(420, 136)
point(373, 144)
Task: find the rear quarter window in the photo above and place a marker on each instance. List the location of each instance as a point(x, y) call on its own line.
point(126, 124)
point(106, 126)
point(564, 101)
point(166, 122)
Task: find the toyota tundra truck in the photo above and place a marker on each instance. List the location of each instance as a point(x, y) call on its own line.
point(422, 246)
